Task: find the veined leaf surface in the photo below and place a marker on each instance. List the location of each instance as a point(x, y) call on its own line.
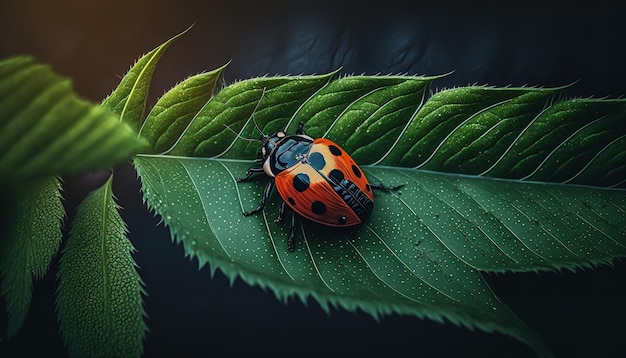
point(423, 248)
point(173, 112)
point(99, 303)
point(517, 134)
point(420, 253)
point(33, 239)
point(128, 100)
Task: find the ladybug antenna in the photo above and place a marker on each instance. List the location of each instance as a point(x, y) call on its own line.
point(253, 121)
point(254, 110)
point(242, 137)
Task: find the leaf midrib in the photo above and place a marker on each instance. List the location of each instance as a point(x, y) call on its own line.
point(139, 79)
point(105, 259)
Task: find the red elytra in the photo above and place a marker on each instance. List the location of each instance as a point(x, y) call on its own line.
point(326, 186)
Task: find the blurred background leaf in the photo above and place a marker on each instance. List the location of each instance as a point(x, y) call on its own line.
point(32, 240)
point(46, 130)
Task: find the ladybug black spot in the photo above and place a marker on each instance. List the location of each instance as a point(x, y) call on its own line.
point(317, 160)
point(301, 182)
point(336, 175)
point(334, 150)
point(367, 187)
point(356, 171)
point(342, 220)
point(318, 208)
point(291, 201)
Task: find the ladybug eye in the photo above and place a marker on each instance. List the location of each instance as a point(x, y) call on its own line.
point(263, 151)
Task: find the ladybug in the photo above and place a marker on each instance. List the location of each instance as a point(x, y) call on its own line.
point(316, 178)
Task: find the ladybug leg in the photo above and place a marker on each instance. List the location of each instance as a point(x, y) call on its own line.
point(292, 224)
point(292, 231)
point(250, 173)
point(281, 212)
point(264, 199)
point(385, 189)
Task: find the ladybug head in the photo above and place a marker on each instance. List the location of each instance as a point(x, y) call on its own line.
point(268, 143)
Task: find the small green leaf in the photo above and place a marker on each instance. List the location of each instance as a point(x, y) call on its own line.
point(457, 125)
point(516, 133)
point(128, 100)
point(45, 130)
point(578, 141)
point(99, 296)
point(173, 112)
point(279, 98)
point(336, 112)
point(33, 238)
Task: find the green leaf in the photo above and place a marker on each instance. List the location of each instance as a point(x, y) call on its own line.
point(586, 146)
point(420, 253)
point(516, 133)
point(365, 114)
point(128, 100)
point(32, 239)
point(173, 112)
point(45, 130)
point(422, 250)
point(277, 99)
point(456, 125)
point(99, 296)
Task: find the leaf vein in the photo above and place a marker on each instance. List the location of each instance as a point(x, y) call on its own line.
point(577, 214)
point(606, 146)
point(305, 102)
point(460, 213)
point(503, 224)
point(331, 125)
point(556, 148)
point(429, 228)
point(460, 125)
point(105, 258)
point(317, 269)
point(523, 213)
point(515, 141)
point(385, 282)
point(191, 122)
point(271, 237)
point(406, 126)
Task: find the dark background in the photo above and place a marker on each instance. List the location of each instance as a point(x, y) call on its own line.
point(192, 314)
